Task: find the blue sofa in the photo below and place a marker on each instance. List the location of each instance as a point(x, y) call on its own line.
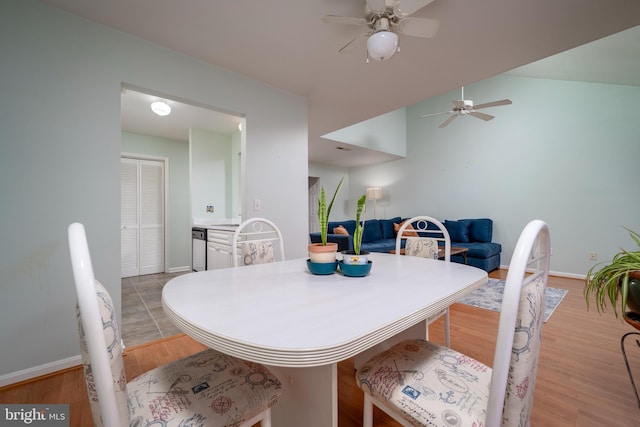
point(379, 236)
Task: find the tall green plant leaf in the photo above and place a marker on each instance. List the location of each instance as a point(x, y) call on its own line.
point(324, 211)
point(357, 235)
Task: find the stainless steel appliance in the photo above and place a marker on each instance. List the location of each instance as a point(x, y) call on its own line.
point(199, 250)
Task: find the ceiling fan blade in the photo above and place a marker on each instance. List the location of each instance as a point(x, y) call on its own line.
point(449, 120)
point(437, 114)
point(481, 116)
point(493, 104)
point(352, 40)
point(378, 6)
point(419, 27)
point(407, 7)
point(347, 20)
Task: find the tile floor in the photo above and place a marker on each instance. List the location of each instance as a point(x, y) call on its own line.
point(142, 317)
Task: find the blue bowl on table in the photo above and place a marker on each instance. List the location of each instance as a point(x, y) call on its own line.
point(355, 270)
point(322, 268)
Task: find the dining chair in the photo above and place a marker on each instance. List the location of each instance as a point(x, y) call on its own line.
point(418, 382)
point(423, 235)
point(257, 241)
point(205, 389)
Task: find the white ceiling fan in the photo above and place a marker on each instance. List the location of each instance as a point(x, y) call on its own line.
point(385, 20)
point(465, 107)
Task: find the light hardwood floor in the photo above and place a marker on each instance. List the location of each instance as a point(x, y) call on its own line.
point(581, 381)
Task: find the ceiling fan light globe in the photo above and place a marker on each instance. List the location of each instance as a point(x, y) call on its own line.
point(382, 45)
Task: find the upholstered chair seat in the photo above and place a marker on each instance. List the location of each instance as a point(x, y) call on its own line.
point(425, 381)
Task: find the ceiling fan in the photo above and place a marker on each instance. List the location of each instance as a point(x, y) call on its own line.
point(465, 107)
point(385, 20)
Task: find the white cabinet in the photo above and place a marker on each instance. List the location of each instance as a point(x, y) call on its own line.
point(219, 253)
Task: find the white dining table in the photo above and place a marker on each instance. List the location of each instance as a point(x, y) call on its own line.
point(301, 325)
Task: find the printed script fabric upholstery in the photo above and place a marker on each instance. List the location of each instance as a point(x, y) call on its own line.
point(422, 247)
point(428, 384)
point(215, 390)
point(114, 351)
point(258, 252)
point(524, 355)
point(205, 389)
point(432, 385)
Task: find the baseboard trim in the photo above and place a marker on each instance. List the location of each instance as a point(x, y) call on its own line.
point(555, 273)
point(179, 269)
point(39, 371)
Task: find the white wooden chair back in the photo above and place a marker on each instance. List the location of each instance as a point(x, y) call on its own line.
point(101, 347)
point(257, 241)
point(520, 330)
point(423, 235)
point(420, 227)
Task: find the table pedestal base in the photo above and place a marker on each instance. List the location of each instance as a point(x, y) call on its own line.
point(310, 395)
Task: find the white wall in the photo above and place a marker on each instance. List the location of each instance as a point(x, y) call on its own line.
point(329, 177)
point(60, 81)
point(212, 175)
point(386, 133)
point(565, 152)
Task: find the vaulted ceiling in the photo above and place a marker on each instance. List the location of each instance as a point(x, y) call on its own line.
point(285, 43)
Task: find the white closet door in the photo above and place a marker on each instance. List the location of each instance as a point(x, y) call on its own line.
point(142, 217)
point(151, 217)
point(129, 218)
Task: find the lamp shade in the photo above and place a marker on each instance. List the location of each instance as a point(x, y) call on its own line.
point(161, 108)
point(374, 193)
point(382, 45)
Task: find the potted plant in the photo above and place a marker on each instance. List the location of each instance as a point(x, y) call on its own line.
point(356, 263)
point(617, 282)
point(324, 252)
point(356, 256)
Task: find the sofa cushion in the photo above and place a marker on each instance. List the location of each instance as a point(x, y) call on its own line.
point(372, 231)
point(487, 264)
point(458, 230)
point(387, 227)
point(384, 246)
point(481, 250)
point(480, 230)
point(349, 224)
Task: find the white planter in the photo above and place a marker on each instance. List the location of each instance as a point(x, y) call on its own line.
point(349, 257)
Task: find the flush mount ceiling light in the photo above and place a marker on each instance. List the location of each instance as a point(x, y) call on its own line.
point(161, 108)
point(382, 45)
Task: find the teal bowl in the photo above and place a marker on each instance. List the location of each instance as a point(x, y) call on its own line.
point(355, 270)
point(322, 268)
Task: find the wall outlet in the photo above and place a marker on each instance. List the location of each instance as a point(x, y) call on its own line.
point(593, 256)
point(257, 204)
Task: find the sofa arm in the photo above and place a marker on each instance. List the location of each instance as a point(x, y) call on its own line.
point(345, 242)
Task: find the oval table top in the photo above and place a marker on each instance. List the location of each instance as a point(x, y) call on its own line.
point(280, 314)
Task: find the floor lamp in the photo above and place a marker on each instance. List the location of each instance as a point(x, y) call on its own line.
point(374, 193)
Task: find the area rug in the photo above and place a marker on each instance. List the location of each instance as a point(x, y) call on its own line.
point(489, 297)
